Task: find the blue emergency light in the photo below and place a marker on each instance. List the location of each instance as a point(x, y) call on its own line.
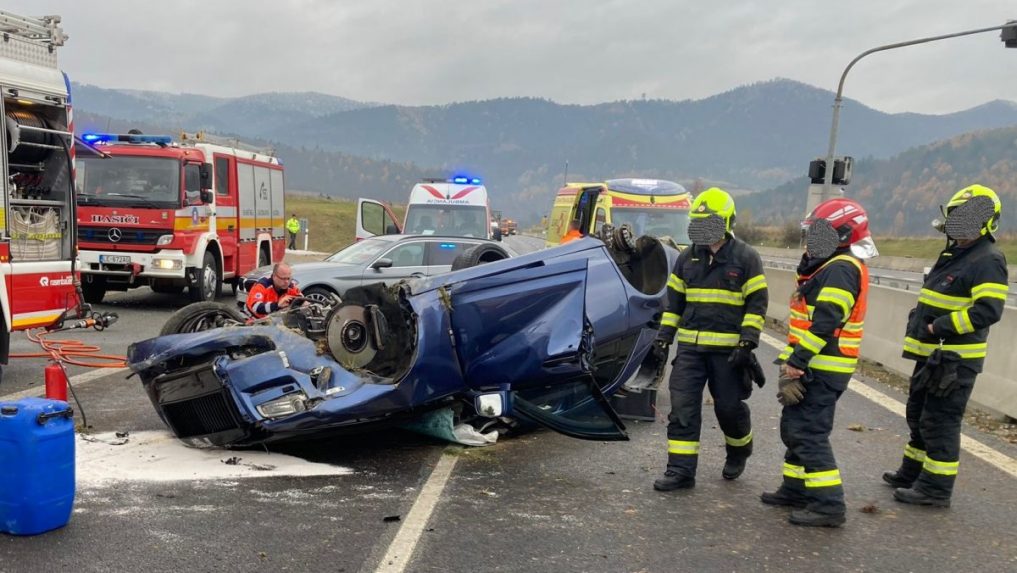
point(463, 180)
point(126, 138)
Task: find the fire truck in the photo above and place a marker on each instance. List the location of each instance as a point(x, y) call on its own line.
point(37, 240)
point(176, 214)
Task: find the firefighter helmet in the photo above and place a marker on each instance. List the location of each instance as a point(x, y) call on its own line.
point(849, 221)
point(714, 201)
point(989, 223)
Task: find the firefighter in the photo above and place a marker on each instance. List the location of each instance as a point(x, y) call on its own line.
point(963, 295)
point(716, 303)
point(293, 227)
point(824, 336)
point(274, 292)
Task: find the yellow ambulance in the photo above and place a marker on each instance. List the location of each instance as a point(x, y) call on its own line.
point(650, 206)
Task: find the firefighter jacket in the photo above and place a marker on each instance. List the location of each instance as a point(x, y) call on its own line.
point(827, 314)
point(264, 298)
point(716, 300)
point(963, 295)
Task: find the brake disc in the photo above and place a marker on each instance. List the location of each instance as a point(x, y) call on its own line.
point(349, 337)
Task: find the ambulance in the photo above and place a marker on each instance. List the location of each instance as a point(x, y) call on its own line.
point(650, 206)
point(456, 207)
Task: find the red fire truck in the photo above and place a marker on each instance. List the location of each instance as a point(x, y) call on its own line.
point(175, 214)
point(37, 242)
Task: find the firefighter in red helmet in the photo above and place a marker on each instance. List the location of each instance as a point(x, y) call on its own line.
point(824, 336)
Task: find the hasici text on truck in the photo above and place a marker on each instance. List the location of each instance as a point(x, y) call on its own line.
point(173, 215)
point(38, 277)
point(650, 206)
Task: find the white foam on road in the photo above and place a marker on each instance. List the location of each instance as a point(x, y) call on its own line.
point(103, 459)
point(988, 455)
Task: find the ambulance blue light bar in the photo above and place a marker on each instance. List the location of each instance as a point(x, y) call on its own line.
point(126, 138)
point(463, 180)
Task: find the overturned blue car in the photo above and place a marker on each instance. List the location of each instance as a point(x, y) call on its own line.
point(542, 338)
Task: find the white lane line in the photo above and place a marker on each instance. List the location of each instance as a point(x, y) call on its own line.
point(978, 449)
point(399, 552)
point(76, 381)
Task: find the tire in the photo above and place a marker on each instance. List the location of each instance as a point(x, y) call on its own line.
point(164, 286)
point(93, 289)
point(323, 294)
point(209, 283)
point(200, 316)
point(479, 255)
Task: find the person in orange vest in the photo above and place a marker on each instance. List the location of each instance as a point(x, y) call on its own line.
point(572, 234)
point(274, 292)
point(947, 337)
point(824, 337)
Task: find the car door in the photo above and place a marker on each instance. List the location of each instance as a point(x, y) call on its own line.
point(526, 331)
point(403, 261)
point(375, 218)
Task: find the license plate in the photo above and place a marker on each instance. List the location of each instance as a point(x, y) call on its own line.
point(115, 259)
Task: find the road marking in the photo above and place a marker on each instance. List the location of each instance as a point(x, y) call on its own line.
point(399, 552)
point(978, 449)
point(76, 381)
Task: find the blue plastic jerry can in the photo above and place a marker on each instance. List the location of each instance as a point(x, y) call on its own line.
point(36, 465)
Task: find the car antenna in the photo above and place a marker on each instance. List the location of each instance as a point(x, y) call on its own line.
point(566, 176)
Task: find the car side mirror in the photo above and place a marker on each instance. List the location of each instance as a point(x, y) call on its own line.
point(205, 176)
point(382, 263)
point(391, 230)
point(492, 405)
point(206, 196)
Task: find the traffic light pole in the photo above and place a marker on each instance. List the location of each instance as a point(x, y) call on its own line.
point(827, 192)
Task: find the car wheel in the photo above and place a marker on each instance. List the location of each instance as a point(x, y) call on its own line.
point(200, 316)
point(479, 255)
point(323, 295)
point(208, 285)
point(93, 289)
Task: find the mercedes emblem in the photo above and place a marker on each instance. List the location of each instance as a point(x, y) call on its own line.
point(115, 235)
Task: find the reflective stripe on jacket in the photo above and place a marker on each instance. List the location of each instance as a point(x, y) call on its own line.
point(293, 226)
point(827, 316)
point(963, 295)
point(716, 300)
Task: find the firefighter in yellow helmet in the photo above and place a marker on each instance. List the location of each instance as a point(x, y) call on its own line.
point(716, 303)
point(962, 297)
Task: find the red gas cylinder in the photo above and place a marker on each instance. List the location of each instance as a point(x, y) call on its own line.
point(56, 382)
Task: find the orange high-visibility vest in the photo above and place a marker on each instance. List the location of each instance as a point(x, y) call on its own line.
point(849, 335)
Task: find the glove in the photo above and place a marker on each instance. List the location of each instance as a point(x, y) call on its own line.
point(790, 391)
point(929, 373)
point(661, 349)
point(756, 371)
point(946, 379)
point(741, 356)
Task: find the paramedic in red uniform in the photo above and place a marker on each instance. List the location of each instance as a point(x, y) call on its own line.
point(272, 293)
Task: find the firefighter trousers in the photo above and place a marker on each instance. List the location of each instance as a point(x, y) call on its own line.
point(693, 371)
point(931, 456)
point(810, 469)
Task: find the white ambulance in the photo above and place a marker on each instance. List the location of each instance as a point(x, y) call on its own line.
point(457, 207)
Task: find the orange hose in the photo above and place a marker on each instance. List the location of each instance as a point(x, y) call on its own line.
point(72, 352)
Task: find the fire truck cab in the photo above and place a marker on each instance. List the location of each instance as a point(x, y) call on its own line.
point(38, 286)
point(173, 215)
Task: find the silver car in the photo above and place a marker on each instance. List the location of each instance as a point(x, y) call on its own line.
point(385, 258)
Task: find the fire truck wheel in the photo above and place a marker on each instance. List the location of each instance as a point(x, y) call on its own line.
point(93, 289)
point(479, 255)
point(208, 287)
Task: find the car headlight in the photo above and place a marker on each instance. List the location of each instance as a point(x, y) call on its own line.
point(168, 264)
point(164, 240)
point(284, 406)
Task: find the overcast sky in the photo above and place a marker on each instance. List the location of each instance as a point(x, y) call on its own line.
point(419, 52)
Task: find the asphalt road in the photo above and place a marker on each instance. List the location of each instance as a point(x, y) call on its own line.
point(535, 502)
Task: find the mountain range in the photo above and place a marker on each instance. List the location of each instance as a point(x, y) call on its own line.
point(751, 138)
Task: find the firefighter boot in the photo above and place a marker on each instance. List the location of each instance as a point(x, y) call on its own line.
point(673, 480)
point(915, 497)
point(734, 465)
point(907, 473)
point(897, 479)
point(783, 498)
point(809, 518)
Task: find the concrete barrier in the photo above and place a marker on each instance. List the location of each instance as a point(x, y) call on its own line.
point(883, 341)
